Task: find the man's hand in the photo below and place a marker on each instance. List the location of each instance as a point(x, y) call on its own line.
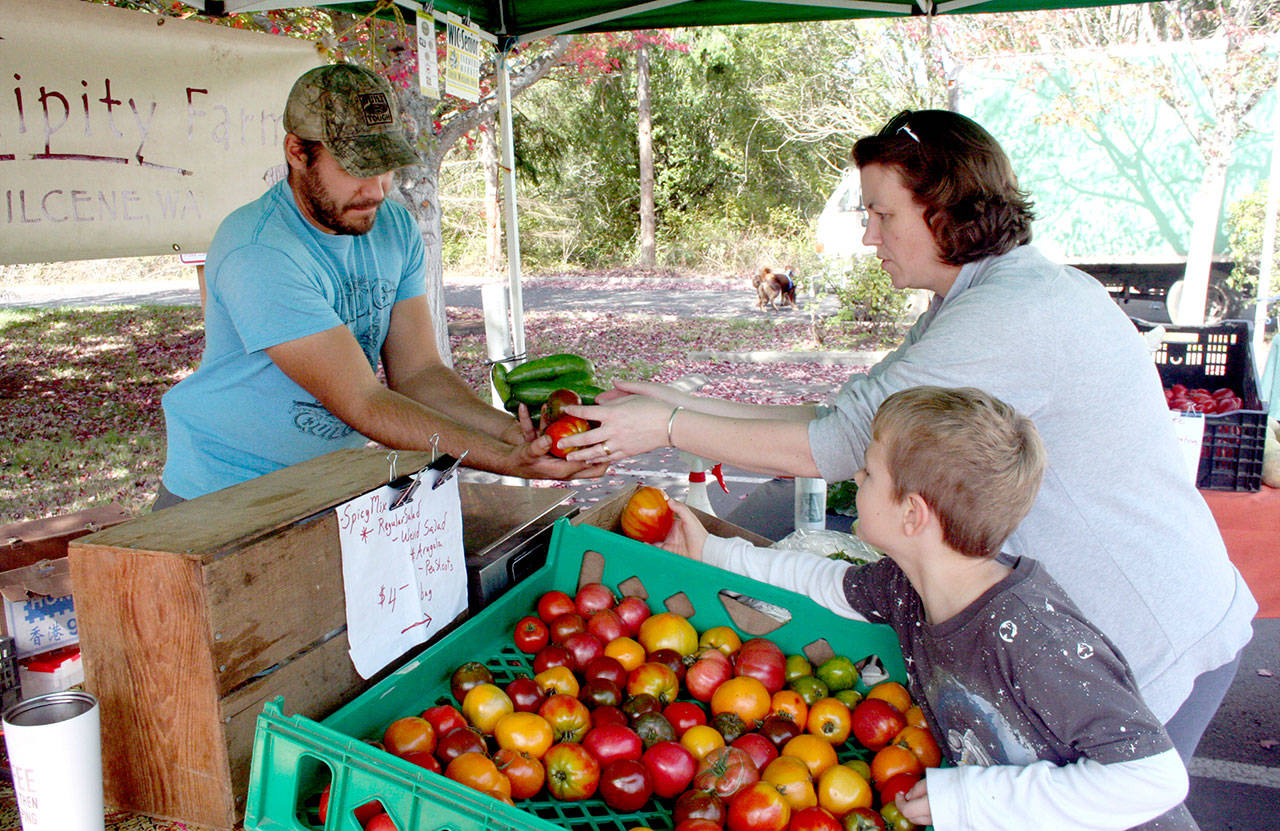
point(533, 460)
point(914, 804)
point(521, 430)
point(687, 536)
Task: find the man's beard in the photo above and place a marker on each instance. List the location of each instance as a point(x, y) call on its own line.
point(329, 213)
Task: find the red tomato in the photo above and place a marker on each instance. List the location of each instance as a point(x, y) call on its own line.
point(683, 715)
point(444, 717)
point(758, 807)
point(863, 819)
point(762, 659)
point(606, 625)
point(531, 634)
point(610, 742)
point(647, 516)
point(525, 694)
point(814, 818)
point(411, 734)
point(457, 742)
point(625, 785)
point(572, 773)
point(895, 785)
point(699, 805)
point(565, 425)
point(760, 749)
point(525, 772)
point(633, 611)
point(380, 822)
point(566, 625)
point(554, 603)
point(468, 675)
point(876, 722)
point(592, 598)
point(672, 767)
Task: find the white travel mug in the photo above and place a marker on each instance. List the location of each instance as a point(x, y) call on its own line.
point(55, 754)
point(811, 504)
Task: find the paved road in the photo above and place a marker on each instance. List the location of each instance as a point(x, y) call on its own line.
point(1236, 772)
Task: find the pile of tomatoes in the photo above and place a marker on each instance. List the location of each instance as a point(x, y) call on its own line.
point(628, 706)
point(1218, 402)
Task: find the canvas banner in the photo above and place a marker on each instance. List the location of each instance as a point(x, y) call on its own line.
point(124, 133)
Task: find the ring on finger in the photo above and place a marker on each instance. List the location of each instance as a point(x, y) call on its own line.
point(605, 447)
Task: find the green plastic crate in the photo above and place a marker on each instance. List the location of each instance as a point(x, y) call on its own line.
point(294, 756)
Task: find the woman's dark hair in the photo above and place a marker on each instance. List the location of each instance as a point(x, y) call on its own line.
point(961, 176)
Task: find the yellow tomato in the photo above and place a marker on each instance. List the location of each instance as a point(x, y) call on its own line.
point(625, 651)
point(701, 739)
point(557, 680)
point(484, 704)
point(892, 692)
point(790, 775)
point(816, 753)
point(830, 719)
point(528, 732)
point(667, 630)
point(743, 696)
point(722, 638)
point(841, 789)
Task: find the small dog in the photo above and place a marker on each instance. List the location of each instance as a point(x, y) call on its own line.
point(774, 286)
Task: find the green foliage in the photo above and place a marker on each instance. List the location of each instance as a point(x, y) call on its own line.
point(865, 291)
point(1245, 221)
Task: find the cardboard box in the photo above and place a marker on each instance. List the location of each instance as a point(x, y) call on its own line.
point(194, 616)
point(35, 577)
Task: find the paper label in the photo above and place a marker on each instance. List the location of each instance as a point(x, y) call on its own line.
point(41, 623)
point(1189, 428)
point(403, 569)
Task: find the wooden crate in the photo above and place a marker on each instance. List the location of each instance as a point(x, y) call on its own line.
point(192, 617)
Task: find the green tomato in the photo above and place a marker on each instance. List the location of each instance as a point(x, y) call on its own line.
point(797, 666)
point(838, 673)
point(894, 819)
point(860, 765)
point(810, 688)
point(849, 698)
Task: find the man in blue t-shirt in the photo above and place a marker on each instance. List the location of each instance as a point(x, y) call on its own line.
point(308, 288)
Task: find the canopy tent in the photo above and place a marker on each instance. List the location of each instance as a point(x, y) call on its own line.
point(521, 21)
point(508, 23)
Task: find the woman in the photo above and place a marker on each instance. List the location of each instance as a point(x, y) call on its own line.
point(1116, 522)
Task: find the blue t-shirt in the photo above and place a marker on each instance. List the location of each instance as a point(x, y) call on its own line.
point(272, 277)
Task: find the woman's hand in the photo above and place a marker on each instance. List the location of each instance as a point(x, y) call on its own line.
point(627, 427)
point(687, 536)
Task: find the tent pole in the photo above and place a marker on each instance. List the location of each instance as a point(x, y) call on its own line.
point(509, 212)
point(1268, 237)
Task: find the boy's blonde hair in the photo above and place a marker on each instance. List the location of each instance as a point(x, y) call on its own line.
point(975, 460)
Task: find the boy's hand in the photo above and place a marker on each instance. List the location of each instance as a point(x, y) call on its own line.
point(687, 536)
point(914, 804)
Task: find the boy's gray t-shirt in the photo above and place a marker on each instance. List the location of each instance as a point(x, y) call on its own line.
point(1118, 522)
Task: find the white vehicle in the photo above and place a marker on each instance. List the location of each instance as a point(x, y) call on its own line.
point(840, 225)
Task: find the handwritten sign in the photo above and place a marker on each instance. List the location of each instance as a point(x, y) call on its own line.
point(403, 569)
point(124, 133)
point(462, 59)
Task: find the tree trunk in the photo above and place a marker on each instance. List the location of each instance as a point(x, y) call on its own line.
point(644, 114)
point(492, 204)
point(1204, 229)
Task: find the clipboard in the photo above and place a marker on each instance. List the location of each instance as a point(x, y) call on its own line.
point(403, 564)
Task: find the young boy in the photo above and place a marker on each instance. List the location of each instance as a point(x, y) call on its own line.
point(1035, 707)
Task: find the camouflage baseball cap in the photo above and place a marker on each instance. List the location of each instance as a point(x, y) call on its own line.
point(353, 113)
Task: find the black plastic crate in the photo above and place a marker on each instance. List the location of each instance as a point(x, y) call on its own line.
point(1210, 357)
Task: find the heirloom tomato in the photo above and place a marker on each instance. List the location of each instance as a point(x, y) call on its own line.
point(671, 766)
point(525, 694)
point(600, 692)
point(699, 824)
point(380, 822)
point(838, 673)
point(569, 718)
point(424, 760)
point(647, 516)
point(894, 820)
point(565, 425)
point(792, 779)
point(553, 604)
point(411, 734)
point(657, 680)
point(669, 658)
point(633, 611)
point(552, 655)
point(790, 704)
point(562, 627)
point(444, 717)
point(484, 705)
point(592, 598)
point(466, 676)
point(699, 805)
point(722, 638)
point(701, 740)
point(625, 651)
point(920, 742)
point(816, 753)
point(601, 716)
point(876, 722)
point(610, 742)
point(478, 771)
point(457, 742)
point(531, 634)
point(363, 814)
point(761, 750)
point(863, 819)
point(761, 659)
point(743, 696)
point(683, 715)
point(815, 818)
point(606, 667)
point(606, 625)
point(841, 789)
point(525, 772)
point(897, 784)
point(653, 728)
point(779, 729)
point(572, 773)
point(584, 648)
point(830, 719)
point(710, 669)
point(725, 771)
point(527, 732)
point(625, 785)
point(892, 692)
point(667, 630)
point(758, 807)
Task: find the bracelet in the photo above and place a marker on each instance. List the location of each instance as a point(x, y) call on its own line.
point(671, 420)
